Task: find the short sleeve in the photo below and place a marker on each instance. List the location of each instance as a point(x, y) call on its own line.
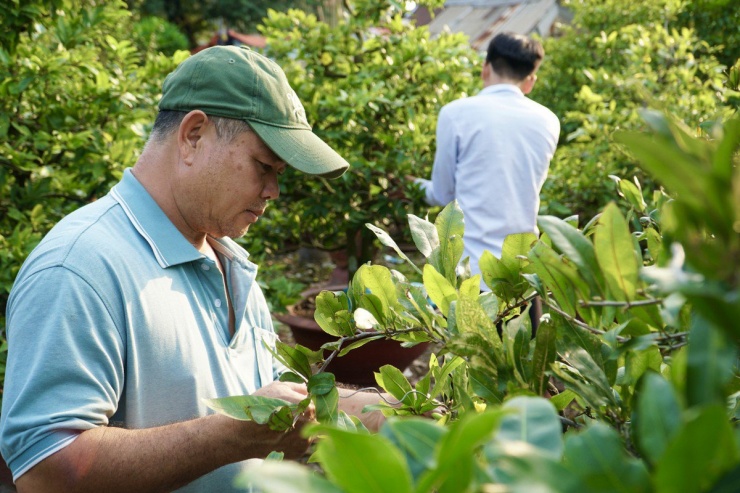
point(65, 367)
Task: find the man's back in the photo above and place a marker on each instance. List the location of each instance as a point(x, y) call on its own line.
point(493, 152)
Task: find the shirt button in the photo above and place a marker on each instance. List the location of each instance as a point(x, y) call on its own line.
point(205, 266)
point(217, 303)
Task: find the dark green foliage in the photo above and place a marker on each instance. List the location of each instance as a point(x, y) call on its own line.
point(154, 34)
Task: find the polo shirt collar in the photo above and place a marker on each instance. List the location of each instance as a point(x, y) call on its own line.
point(496, 88)
point(169, 246)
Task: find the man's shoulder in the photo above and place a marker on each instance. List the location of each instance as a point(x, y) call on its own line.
point(89, 232)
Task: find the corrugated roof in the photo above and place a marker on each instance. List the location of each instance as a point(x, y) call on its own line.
point(481, 20)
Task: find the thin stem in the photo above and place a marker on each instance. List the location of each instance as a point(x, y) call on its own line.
point(626, 304)
point(358, 337)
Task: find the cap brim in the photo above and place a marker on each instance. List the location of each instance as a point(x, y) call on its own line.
point(302, 149)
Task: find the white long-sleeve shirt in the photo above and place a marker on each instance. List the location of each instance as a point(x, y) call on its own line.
point(493, 153)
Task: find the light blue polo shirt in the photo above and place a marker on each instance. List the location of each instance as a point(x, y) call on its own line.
point(116, 319)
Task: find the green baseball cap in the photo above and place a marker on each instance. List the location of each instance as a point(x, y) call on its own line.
point(236, 82)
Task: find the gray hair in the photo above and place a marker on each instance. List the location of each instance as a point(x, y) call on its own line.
point(168, 121)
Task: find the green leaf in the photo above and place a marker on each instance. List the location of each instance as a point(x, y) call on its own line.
point(561, 400)
point(359, 343)
point(362, 463)
point(439, 289)
point(591, 382)
point(417, 438)
point(329, 306)
point(710, 364)
point(656, 416)
point(396, 384)
point(247, 407)
point(284, 477)
point(544, 355)
point(518, 467)
point(532, 420)
point(560, 277)
point(424, 235)
point(597, 456)
point(327, 406)
point(321, 383)
point(615, 254)
point(450, 227)
point(377, 279)
point(456, 456)
point(700, 453)
point(386, 240)
point(517, 334)
point(574, 245)
point(294, 359)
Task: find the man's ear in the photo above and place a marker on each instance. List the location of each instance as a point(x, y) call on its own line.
point(486, 73)
point(528, 84)
point(190, 133)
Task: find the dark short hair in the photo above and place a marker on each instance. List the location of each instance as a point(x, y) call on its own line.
point(514, 56)
point(168, 121)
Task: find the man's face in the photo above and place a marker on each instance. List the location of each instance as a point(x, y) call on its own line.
point(235, 180)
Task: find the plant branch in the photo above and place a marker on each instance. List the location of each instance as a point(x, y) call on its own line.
point(358, 337)
point(626, 304)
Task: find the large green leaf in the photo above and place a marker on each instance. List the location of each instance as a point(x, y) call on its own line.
point(377, 279)
point(424, 234)
point(284, 477)
point(456, 457)
point(574, 245)
point(700, 453)
point(532, 420)
point(418, 439)
point(395, 383)
point(711, 363)
point(294, 359)
point(247, 407)
point(439, 289)
point(598, 457)
point(615, 254)
point(678, 171)
point(450, 227)
point(517, 467)
point(544, 355)
point(328, 305)
point(362, 463)
point(560, 277)
point(656, 416)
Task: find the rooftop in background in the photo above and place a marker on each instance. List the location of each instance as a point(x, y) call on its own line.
point(231, 37)
point(481, 20)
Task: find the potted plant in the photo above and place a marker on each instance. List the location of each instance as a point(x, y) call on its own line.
point(356, 367)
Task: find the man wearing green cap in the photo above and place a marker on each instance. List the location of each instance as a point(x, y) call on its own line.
point(136, 308)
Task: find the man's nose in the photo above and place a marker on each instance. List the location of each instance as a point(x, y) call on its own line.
point(271, 190)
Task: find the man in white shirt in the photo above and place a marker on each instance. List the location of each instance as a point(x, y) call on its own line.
point(494, 150)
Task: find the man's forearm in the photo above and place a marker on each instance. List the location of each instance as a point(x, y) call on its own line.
point(155, 459)
point(352, 402)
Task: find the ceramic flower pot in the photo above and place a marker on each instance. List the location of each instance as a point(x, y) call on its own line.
point(358, 366)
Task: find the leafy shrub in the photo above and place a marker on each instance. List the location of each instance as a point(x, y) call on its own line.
point(158, 35)
point(615, 59)
point(75, 99)
point(636, 359)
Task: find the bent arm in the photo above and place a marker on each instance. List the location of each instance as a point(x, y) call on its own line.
point(163, 458)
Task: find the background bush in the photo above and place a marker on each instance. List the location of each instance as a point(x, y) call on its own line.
point(617, 57)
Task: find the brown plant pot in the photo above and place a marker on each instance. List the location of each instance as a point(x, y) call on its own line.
point(359, 365)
